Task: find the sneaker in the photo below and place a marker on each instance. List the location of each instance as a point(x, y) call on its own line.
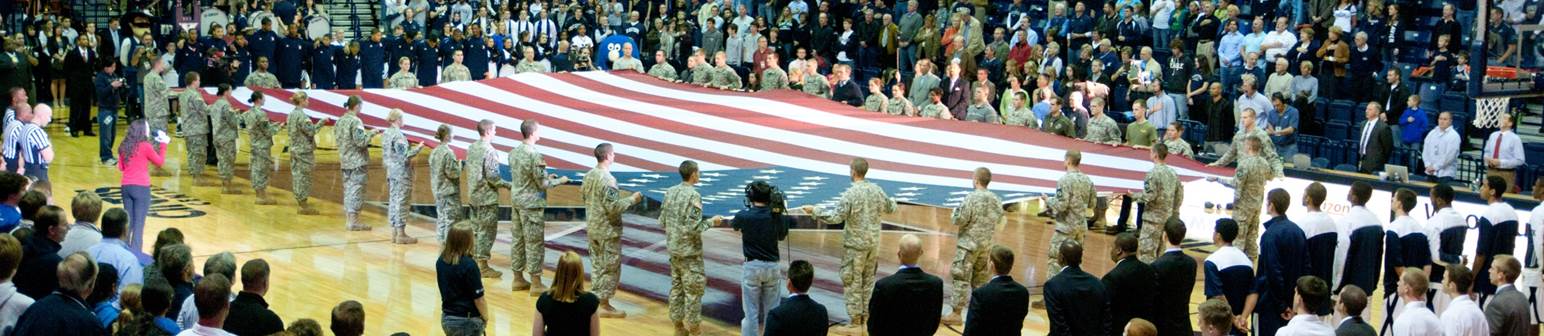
point(110, 162)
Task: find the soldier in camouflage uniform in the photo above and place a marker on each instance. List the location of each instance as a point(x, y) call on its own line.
point(772, 75)
point(977, 217)
point(1057, 123)
point(859, 208)
point(626, 61)
point(404, 78)
point(603, 206)
point(702, 72)
point(662, 68)
point(302, 148)
point(397, 155)
point(1247, 118)
point(158, 111)
point(194, 126)
point(528, 191)
point(1074, 196)
point(981, 110)
point(1101, 128)
point(482, 177)
point(681, 215)
point(1018, 113)
point(260, 78)
point(528, 62)
point(227, 128)
point(1249, 185)
point(816, 84)
point(456, 71)
point(876, 97)
point(898, 105)
point(445, 180)
point(260, 132)
point(1162, 193)
point(353, 156)
point(1174, 139)
point(935, 109)
point(724, 77)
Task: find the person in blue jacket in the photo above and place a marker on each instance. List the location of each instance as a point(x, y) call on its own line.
point(264, 42)
point(372, 61)
point(477, 50)
point(323, 56)
point(426, 52)
point(1283, 258)
point(348, 67)
point(290, 58)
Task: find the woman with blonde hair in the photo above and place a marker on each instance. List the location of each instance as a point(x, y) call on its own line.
point(398, 156)
point(566, 309)
point(462, 307)
point(302, 149)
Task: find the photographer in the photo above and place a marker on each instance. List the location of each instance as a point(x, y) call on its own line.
point(109, 88)
point(761, 226)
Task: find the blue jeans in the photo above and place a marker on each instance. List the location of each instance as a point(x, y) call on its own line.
point(1181, 108)
point(107, 117)
point(462, 326)
point(136, 199)
point(908, 58)
point(760, 290)
point(1161, 39)
point(1286, 152)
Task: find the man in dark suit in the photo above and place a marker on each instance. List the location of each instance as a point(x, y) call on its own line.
point(956, 92)
point(908, 302)
point(1283, 258)
point(1393, 93)
point(79, 68)
point(110, 38)
point(1508, 310)
point(1131, 284)
point(798, 314)
point(249, 313)
point(1352, 301)
point(1176, 281)
point(999, 306)
point(1075, 301)
point(845, 90)
point(1375, 139)
point(64, 311)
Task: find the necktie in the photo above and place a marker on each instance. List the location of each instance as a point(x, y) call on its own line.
point(1496, 153)
point(1366, 134)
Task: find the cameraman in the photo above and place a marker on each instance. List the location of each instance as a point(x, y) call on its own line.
point(761, 226)
point(109, 87)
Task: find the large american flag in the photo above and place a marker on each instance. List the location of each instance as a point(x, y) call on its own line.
point(799, 142)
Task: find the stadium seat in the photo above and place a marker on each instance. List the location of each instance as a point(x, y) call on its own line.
point(1342, 110)
point(1525, 176)
point(1346, 167)
point(1534, 153)
point(1309, 145)
point(1195, 132)
point(1321, 163)
point(1352, 154)
point(1337, 130)
point(1333, 151)
point(1454, 102)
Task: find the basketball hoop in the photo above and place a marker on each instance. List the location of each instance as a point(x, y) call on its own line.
point(1488, 111)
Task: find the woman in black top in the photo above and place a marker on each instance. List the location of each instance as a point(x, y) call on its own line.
point(464, 312)
point(566, 309)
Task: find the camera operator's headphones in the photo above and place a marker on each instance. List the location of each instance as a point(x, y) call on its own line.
point(758, 191)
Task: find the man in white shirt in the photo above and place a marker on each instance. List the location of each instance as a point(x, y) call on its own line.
point(1440, 150)
point(223, 264)
point(1312, 295)
point(1503, 152)
point(1463, 317)
point(114, 251)
point(1416, 319)
point(87, 208)
point(798, 7)
point(1277, 42)
point(212, 296)
point(1250, 98)
point(12, 304)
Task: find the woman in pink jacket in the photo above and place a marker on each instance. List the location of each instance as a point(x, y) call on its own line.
point(135, 155)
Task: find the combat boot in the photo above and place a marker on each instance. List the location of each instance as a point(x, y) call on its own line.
point(607, 311)
point(519, 283)
point(536, 287)
point(488, 272)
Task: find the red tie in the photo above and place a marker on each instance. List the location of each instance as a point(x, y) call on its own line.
point(1497, 152)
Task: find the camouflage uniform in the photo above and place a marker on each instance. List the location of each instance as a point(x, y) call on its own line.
point(874, 103)
point(816, 84)
point(1249, 182)
point(528, 191)
point(455, 73)
point(663, 71)
point(530, 66)
point(1102, 129)
point(702, 74)
point(1267, 149)
point(627, 63)
point(227, 128)
point(260, 132)
point(603, 206)
point(158, 110)
point(977, 218)
point(859, 208)
point(934, 111)
point(302, 148)
point(402, 80)
point(195, 128)
point(773, 78)
point(1021, 117)
point(397, 155)
point(725, 78)
point(482, 176)
point(261, 79)
point(1059, 125)
point(1074, 196)
point(681, 215)
point(1179, 147)
point(353, 156)
point(899, 106)
point(1162, 194)
point(981, 113)
point(445, 179)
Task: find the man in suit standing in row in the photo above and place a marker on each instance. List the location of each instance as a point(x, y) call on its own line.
point(1507, 311)
point(1352, 301)
point(907, 302)
point(845, 91)
point(798, 314)
point(1377, 142)
point(1176, 281)
point(999, 306)
point(1131, 284)
point(80, 68)
point(957, 92)
point(1075, 301)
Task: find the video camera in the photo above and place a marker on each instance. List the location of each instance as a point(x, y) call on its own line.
point(763, 192)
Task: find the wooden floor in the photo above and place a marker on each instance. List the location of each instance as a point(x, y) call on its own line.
point(316, 264)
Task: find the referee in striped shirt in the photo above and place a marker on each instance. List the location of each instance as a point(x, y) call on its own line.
point(36, 149)
point(17, 115)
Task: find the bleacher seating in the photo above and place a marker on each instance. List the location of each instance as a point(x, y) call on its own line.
point(1334, 151)
point(1308, 144)
point(1346, 167)
point(1321, 163)
point(1534, 153)
point(1342, 110)
point(1337, 130)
